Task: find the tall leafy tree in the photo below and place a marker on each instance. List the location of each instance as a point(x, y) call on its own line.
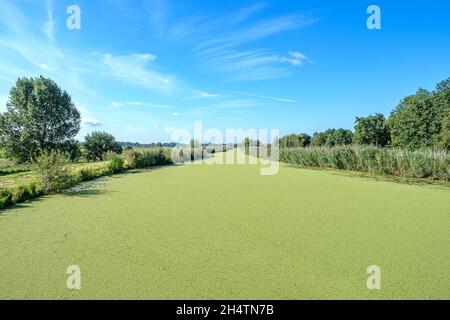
point(442, 101)
point(372, 130)
point(444, 137)
point(295, 141)
point(339, 137)
point(418, 120)
point(319, 139)
point(332, 137)
point(40, 117)
point(98, 143)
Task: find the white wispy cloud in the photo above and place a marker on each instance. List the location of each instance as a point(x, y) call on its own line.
point(73, 70)
point(296, 58)
point(247, 65)
point(220, 46)
point(237, 104)
point(133, 69)
point(125, 104)
point(199, 94)
point(287, 100)
point(218, 41)
point(255, 32)
point(86, 121)
point(245, 13)
point(49, 25)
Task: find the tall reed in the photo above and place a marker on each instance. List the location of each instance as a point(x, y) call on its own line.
point(425, 163)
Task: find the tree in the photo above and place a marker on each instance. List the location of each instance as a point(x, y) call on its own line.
point(444, 136)
point(295, 141)
point(319, 139)
point(39, 117)
point(442, 100)
point(372, 130)
point(332, 137)
point(52, 171)
point(339, 137)
point(97, 144)
point(418, 121)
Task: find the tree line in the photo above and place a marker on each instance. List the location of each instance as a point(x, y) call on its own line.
point(41, 117)
point(419, 121)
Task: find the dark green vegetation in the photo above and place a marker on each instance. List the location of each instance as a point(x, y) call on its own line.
point(176, 233)
point(372, 130)
point(332, 137)
point(39, 117)
point(295, 141)
point(412, 143)
point(97, 144)
point(420, 121)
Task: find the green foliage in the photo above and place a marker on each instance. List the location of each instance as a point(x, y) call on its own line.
point(419, 120)
point(295, 141)
point(73, 149)
point(87, 174)
point(444, 137)
point(147, 158)
point(52, 171)
point(98, 144)
point(5, 199)
point(424, 163)
point(34, 190)
point(92, 173)
point(115, 163)
point(22, 193)
point(332, 137)
point(39, 117)
point(372, 130)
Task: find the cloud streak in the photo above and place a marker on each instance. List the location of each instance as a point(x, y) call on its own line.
point(218, 43)
point(267, 97)
point(85, 121)
point(133, 69)
point(131, 104)
point(49, 25)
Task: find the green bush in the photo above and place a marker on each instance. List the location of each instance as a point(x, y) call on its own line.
point(97, 145)
point(52, 171)
point(34, 190)
point(133, 159)
point(87, 174)
point(5, 199)
point(21, 194)
point(115, 163)
point(147, 158)
point(91, 173)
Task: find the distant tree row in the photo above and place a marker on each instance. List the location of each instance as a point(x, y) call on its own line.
point(420, 120)
point(42, 118)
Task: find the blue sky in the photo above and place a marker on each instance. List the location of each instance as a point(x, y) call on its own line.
point(140, 68)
